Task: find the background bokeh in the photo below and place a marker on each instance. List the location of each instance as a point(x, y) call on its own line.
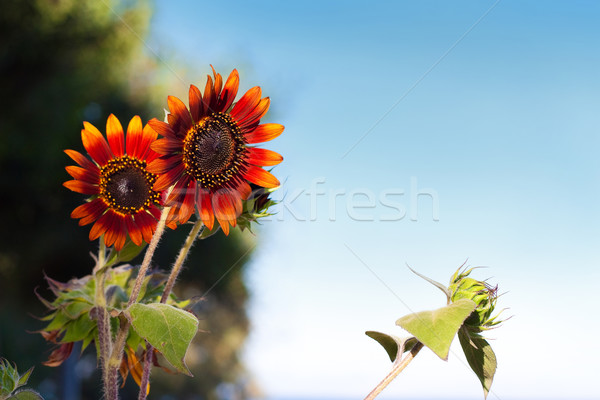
point(425, 133)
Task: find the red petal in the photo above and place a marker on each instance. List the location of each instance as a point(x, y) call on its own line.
point(83, 174)
point(169, 178)
point(115, 135)
point(134, 138)
point(82, 160)
point(196, 107)
point(147, 225)
point(218, 82)
point(100, 227)
point(246, 104)
point(209, 96)
point(229, 91)
point(261, 177)
point(262, 157)
point(81, 187)
point(89, 212)
point(205, 209)
point(164, 164)
point(162, 128)
point(255, 115)
point(134, 232)
point(144, 149)
point(95, 144)
point(264, 133)
point(227, 206)
point(245, 190)
point(180, 112)
point(167, 146)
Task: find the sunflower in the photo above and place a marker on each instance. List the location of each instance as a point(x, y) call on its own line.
point(123, 201)
point(205, 152)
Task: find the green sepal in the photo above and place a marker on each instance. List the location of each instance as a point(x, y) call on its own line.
point(436, 329)
point(129, 251)
point(79, 329)
point(438, 285)
point(26, 394)
point(59, 321)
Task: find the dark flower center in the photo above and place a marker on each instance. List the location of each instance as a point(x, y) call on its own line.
point(126, 185)
point(213, 150)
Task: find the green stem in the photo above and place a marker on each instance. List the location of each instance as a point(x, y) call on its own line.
point(183, 253)
point(114, 362)
point(103, 321)
point(398, 366)
point(181, 257)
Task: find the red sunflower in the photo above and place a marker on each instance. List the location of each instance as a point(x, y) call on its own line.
point(205, 151)
point(123, 201)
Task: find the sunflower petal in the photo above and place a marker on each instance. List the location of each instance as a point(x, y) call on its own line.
point(115, 135)
point(146, 223)
point(208, 95)
point(246, 104)
point(261, 177)
point(264, 133)
point(81, 187)
point(255, 115)
point(83, 174)
point(89, 212)
point(82, 160)
point(162, 128)
point(95, 144)
point(183, 120)
point(262, 157)
point(135, 136)
point(134, 231)
point(196, 106)
point(100, 227)
point(229, 91)
point(205, 208)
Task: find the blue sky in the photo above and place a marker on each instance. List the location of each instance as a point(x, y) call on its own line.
point(419, 133)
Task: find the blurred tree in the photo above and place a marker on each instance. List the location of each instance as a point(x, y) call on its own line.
point(63, 62)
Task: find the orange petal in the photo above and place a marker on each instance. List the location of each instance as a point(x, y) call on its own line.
point(167, 146)
point(162, 128)
point(147, 224)
point(82, 160)
point(218, 82)
point(205, 209)
point(83, 174)
point(255, 115)
point(196, 106)
point(134, 231)
point(229, 91)
point(209, 96)
point(244, 189)
point(100, 227)
point(180, 112)
point(264, 133)
point(135, 135)
point(89, 212)
point(262, 157)
point(95, 145)
point(115, 135)
point(246, 104)
point(261, 177)
point(81, 187)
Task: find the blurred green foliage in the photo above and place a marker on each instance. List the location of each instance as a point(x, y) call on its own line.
point(63, 62)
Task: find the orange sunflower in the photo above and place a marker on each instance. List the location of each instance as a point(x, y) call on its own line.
point(123, 201)
point(205, 152)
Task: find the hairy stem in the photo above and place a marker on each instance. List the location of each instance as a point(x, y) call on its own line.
point(183, 253)
point(181, 257)
point(103, 321)
point(398, 366)
point(114, 362)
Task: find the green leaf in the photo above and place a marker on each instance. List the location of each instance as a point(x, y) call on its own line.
point(168, 329)
point(26, 394)
point(206, 233)
point(436, 329)
point(393, 345)
point(129, 251)
point(434, 283)
point(481, 358)
point(59, 321)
